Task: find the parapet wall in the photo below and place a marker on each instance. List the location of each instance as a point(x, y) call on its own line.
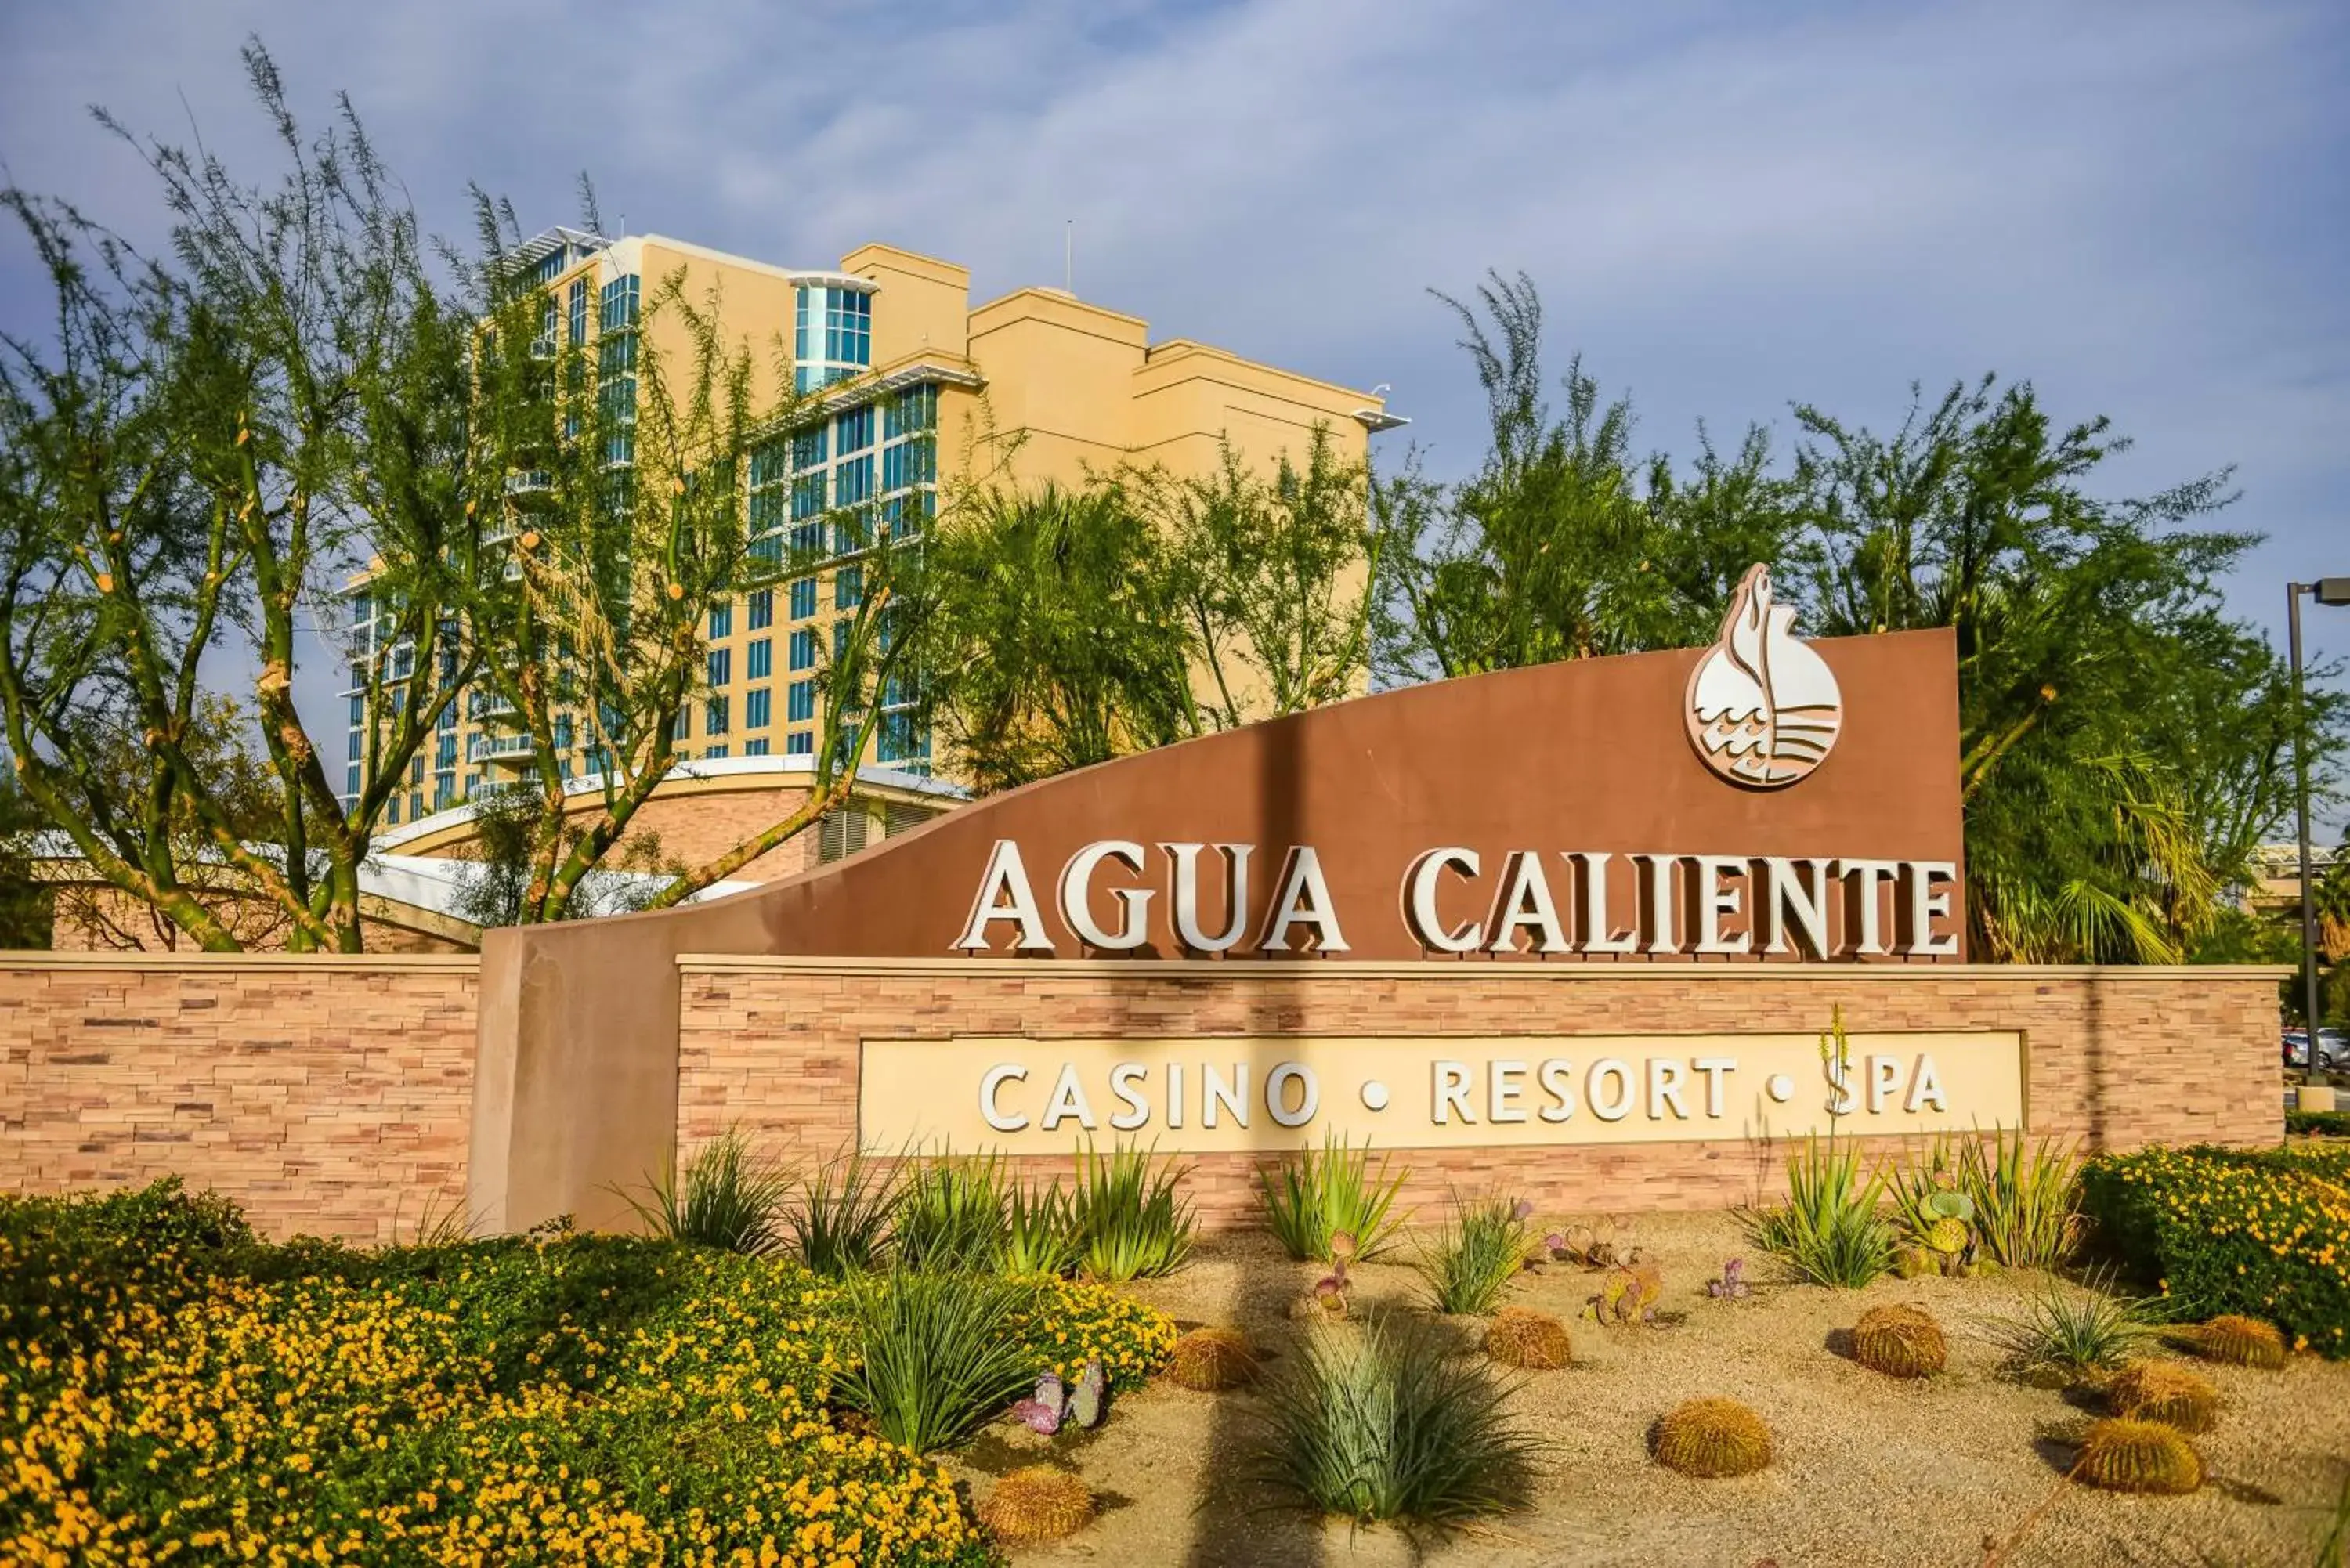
point(2115, 1058)
point(328, 1096)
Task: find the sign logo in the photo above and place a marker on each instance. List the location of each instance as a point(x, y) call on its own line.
point(1763, 709)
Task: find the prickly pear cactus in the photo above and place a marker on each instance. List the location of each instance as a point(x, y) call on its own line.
point(1952, 1205)
point(1039, 1416)
point(1948, 1237)
point(1909, 1262)
point(1091, 1397)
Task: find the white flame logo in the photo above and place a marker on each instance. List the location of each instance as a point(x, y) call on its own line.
point(1763, 709)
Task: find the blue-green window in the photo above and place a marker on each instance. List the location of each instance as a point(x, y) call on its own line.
point(908, 462)
point(444, 750)
point(803, 649)
point(808, 538)
point(910, 413)
point(577, 311)
point(543, 270)
point(351, 785)
point(715, 752)
point(357, 749)
point(856, 430)
point(832, 335)
point(617, 304)
point(849, 587)
point(852, 482)
point(808, 448)
point(798, 744)
point(721, 666)
point(763, 609)
point(804, 599)
point(799, 702)
point(715, 716)
point(756, 709)
point(721, 621)
point(848, 328)
point(807, 496)
point(759, 660)
point(901, 739)
point(757, 748)
point(841, 631)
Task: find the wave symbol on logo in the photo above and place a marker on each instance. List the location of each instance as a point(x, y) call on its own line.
point(1764, 708)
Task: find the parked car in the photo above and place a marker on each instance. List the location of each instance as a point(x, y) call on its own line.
point(2333, 1048)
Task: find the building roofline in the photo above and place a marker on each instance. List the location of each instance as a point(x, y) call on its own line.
point(748, 768)
point(824, 277)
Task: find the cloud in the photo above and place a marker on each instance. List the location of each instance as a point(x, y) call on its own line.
point(2142, 207)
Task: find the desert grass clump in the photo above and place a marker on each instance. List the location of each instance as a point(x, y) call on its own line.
point(936, 1354)
point(951, 1214)
point(1384, 1421)
point(2027, 1198)
point(2125, 1455)
point(1713, 1438)
point(1039, 1233)
point(1314, 1195)
point(2240, 1342)
point(842, 1222)
point(1127, 1218)
point(1210, 1360)
point(1483, 1246)
point(1036, 1503)
point(1829, 1231)
point(1899, 1341)
point(730, 1198)
point(2159, 1391)
point(1522, 1337)
point(2076, 1333)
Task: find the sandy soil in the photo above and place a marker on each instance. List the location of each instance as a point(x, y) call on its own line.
point(1869, 1471)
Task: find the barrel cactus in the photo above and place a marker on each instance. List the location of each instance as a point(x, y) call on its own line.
point(1212, 1359)
point(2242, 1342)
point(1899, 1341)
point(1709, 1438)
point(1520, 1336)
point(2125, 1455)
point(1038, 1503)
point(2158, 1391)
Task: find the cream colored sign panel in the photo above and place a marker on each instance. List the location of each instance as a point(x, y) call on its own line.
point(1043, 1096)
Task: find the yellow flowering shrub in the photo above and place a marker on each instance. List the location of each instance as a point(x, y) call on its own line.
point(2265, 1233)
point(180, 1398)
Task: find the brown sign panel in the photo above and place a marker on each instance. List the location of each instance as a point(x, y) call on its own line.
point(1763, 799)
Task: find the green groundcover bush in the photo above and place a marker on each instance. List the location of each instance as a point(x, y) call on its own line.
point(170, 1387)
point(2318, 1124)
point(2264, 1232)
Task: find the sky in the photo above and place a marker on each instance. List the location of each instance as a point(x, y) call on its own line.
point(2141, 207)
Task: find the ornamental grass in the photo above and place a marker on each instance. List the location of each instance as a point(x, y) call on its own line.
point(1384, 1421)
point(171, 1388)
point(1315, 1194)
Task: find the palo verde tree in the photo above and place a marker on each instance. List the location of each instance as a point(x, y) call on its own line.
point(199, 445)
point(2123, 742)
point(649, 460)
point(1564, 544)
point(1054, 641)
point(1275, 575)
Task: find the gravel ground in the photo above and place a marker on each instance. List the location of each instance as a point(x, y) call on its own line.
point(1869, 1470)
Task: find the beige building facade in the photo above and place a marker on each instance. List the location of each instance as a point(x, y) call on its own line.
point(912, 388)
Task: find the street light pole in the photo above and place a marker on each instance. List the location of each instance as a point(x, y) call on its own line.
point(2326, 591)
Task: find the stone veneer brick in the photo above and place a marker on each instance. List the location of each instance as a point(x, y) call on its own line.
point(2117, 1057)
point(328, 1096)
